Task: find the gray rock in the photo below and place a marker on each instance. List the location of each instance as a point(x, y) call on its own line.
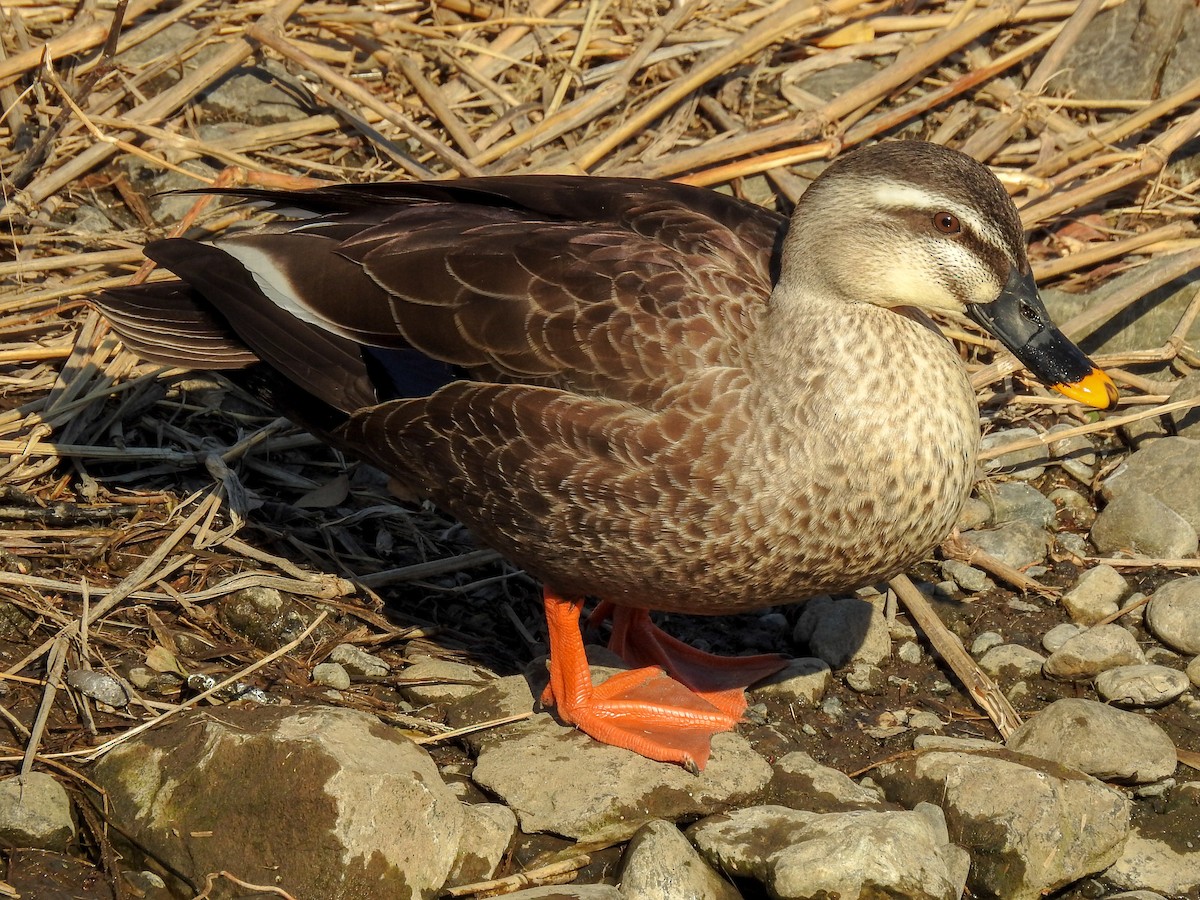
point(335, 804)
point(1168, 470)
point(842, 630)
point(534, 767)
point(1122, 52)
point(1173, 614)
point(969, 578)
point(439, 681)
point(802, 681)
point(1135, 895)
point(1060, 634)
point(1020, 544)
point(1013, 501)
point(800, 782)
point(1100, 740)
point(1011, 662)
point(265, 617)
point(35, 814)
point(799, 854)
point(1138, 522)
point(1018, 816)
point(910, 652)
point(100, 686)
point(661, 864)
point(1187, 421)
point(1161, 865)
point(1091, 652)
point(865, 679)
point(1141, 685)
point(1073, 509)
point(331, 675)
point(1076, 455)
point(256, 95)
point(1193, 671)
point(1025, 464)
point(358, 663)
point(488, 830)
point(975, 514)
point(1096, 595)
point(985, 641)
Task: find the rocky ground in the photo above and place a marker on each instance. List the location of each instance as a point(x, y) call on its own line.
point(320, 737)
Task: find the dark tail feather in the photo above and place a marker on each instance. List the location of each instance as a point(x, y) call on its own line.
point(169, 323)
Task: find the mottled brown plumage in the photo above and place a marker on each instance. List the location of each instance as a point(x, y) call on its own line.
point(652, 394)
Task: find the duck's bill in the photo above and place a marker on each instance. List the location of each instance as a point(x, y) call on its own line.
point(1019, 320)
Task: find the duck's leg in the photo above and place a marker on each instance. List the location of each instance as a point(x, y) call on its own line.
point(721, 680)
point(642, 710)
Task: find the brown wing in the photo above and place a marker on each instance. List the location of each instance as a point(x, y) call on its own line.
point(598, 285)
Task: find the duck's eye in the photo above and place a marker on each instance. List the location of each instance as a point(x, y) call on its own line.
point(946, 222)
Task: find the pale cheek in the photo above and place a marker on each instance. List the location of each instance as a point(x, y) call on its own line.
point(904, 286)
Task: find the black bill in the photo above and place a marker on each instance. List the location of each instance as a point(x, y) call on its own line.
point(1019, 320)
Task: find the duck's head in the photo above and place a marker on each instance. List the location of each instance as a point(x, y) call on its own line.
point(916, 224)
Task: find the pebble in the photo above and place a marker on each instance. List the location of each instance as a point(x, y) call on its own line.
point(1076, 455)
point(1095, 596)
point(1014, 501)
point(662, 864)
point(1011, 662)
point(800, 782)
point(488, 832)
point(1141, 685)
point(1091, 652)
point(910, 652)
point(1020, 544)
point(1105, 742)
point(431, 680)
point(1173, 614)
point(358, 663)
point(969, 578)
point(1193, 671)
point(100, 686)
point(802, 681)
point(1025, 464)
point(35, 812)
point(1137, 522)
point(1073, 510)
point(1060, 634)
point(845, 629)
point(985, 641)
point(331, 675)
point(865, 679)
point(974, 514)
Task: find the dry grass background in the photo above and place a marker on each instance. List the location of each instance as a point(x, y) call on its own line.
point(126, 492)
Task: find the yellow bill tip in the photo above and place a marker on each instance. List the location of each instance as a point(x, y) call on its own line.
point(1095, 389)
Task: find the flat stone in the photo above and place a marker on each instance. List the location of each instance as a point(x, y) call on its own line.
point(1018, 816)
point(1060, 634)
point(1187, 421)
point(661, 864)
point(1026, 464)
point(1138, 522)
point(1013, 501)
point(1141, 685)
point(331, 675)
point(358, 663)
point(800, 782)
point(1161, 865)
point(800, 854)
point(1103, 741)
point(1020, 544)
point(439, 681)
point(330, 801)
point(1011, 662)
point(985, 641)
point(569, 892)
point(1091, 652)
point(1072, 509)
point(1076, 454)
point(803, 682)
point(1169, 470)
point(1173, 614)
point(534, 766)
point(1096, 595)
point(969, 578)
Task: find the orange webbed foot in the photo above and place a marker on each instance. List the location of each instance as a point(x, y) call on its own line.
point(643, 710)
point(721, 680)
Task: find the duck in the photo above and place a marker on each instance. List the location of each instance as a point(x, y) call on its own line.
point(646, 393)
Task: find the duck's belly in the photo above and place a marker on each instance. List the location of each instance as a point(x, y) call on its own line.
point(835, 502)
